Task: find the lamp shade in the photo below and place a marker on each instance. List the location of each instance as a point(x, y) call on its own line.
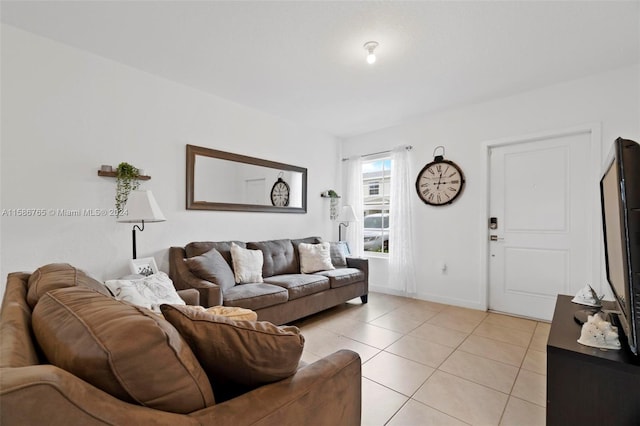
point(348, 214)
point(142, 206)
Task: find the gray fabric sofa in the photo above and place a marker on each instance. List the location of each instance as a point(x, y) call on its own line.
point(286, 294)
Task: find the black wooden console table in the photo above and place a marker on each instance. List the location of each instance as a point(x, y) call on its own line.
point(587, 385)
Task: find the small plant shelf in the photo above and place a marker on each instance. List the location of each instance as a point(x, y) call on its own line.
point(114, 174)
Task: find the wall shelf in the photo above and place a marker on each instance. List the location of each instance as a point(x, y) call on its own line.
point(115, 174)
point(333, 205)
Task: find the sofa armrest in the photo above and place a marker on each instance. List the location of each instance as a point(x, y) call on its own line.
point(191, 296)
point(359, 263)
point(210, 294)
point(327, 392)
point(47, 395)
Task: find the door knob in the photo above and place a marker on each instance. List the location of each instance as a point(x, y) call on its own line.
point(495, 238)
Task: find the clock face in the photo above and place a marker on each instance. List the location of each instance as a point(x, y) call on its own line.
point(439, 182)
point(280, 194)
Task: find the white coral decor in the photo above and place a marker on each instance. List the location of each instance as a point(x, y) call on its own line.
point(599, 333)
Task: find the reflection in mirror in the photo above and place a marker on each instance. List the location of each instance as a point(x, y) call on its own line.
point(218, 180)
point(226, 181)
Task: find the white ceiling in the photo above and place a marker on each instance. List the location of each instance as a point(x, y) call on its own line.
point(304, 61)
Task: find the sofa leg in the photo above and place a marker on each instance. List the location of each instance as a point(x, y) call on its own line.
point(364, 298)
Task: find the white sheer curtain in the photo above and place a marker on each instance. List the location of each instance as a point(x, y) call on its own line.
point(401, 247)
point(354, 198)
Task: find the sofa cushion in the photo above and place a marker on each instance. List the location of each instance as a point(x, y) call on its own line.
point(224, 247)
point(343, 276)
point(247, 264)
point(314, 257)
point(279, 257)
point(255, 296)
point(149, 292)
point(59, 275)
point(212, 267)
point(247, 353)
point(300, 285)
point(307, 240)
point(127, 351)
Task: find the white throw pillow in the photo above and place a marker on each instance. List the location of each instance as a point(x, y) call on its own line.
point(149, 292)
point(247, 264)
point(315, 257)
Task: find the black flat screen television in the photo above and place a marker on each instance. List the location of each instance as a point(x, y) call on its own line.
point(620, 200)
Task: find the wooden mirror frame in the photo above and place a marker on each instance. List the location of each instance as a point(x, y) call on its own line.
point(192, 151)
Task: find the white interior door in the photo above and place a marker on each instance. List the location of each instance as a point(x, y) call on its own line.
point(539, 193)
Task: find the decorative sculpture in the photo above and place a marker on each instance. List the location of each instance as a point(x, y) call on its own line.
point(587, 296)
point(598, 333)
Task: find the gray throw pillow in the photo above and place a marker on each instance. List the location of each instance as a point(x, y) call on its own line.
point(212, 267)
point(339, 253)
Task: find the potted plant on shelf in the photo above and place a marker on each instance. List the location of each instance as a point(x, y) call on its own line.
point(127, 180)
point(333, 206)
point(330, 194)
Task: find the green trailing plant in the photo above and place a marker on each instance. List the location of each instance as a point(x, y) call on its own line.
point(332, 194)
point(127, 180)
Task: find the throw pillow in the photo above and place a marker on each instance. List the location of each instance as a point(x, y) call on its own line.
point(339, 251)
point(247, 264)
point(237, 355)
point(127, 351)
point(59, 275)
point(315, 257)
point(212, 267)
point(149, 292)
point(231, 312)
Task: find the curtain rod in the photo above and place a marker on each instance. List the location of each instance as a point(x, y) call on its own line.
point(407, 147)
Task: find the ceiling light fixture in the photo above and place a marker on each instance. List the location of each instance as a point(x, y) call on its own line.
point(370, 46)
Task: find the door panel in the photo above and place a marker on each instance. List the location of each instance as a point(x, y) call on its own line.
point(536, 197)
point(539, 191)
point(524, 277)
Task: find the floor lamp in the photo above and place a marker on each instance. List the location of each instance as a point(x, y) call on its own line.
point(347, 216)
point(141, 207)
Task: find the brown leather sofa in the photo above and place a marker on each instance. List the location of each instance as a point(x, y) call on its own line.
point(286, 294)
point(35, 392)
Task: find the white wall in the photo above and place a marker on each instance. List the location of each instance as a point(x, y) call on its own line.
point(65, 112)
point(453, 234)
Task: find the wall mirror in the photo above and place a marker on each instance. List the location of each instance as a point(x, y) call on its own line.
point(219, 180)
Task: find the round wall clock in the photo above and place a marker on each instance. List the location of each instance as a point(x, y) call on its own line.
point(440, 182)
point(280, 193)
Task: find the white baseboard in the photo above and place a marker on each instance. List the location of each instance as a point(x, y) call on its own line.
point(431, 298)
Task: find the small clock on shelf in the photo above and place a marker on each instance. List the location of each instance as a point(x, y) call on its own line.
point(280, 193)
point(440, 182)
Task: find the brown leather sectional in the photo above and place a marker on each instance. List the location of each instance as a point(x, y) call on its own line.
point(72, 318)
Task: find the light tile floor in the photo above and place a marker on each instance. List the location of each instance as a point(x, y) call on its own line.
point(425, 363)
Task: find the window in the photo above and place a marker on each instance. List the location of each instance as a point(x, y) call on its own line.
point(376, 179)
point(374, 188)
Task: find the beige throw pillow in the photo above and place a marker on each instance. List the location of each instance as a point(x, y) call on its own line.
point(315, 257)
point(237, 355)
point(247, 264)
